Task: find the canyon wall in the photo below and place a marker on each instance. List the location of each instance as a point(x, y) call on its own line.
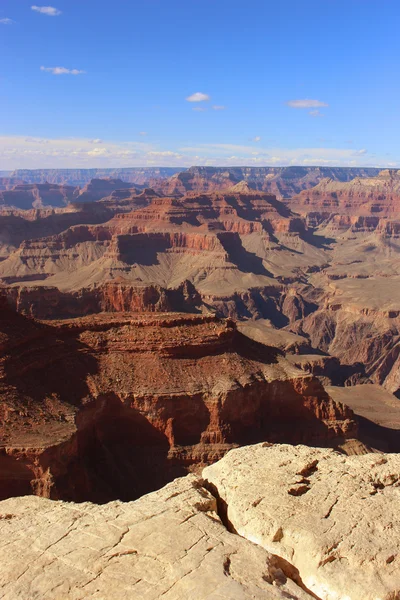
point(150, 394)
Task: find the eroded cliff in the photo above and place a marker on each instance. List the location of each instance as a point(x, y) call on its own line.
point(113, 406)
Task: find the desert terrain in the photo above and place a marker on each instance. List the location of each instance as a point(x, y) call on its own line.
point(147, 332)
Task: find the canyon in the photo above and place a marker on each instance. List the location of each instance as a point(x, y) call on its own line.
point(322, 265)
point(221, 355)
point(152, 396)
point(282, 181)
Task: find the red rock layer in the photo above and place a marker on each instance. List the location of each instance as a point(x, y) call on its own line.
point(115, 405)
point(369, 197)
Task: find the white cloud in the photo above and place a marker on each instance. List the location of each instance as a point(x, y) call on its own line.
point(306, 104)
point(6, 21)
point(199, 108)
point(96, 141)
point(316, 113)
point(25, 152)
point(218, 107)
point(62, 71)
point(142, 132)
point(50, 11)
point(19, 152)
point(257, 139)
point(98, 152)
point(233, 155)
point(164, 153)
point(198, 97)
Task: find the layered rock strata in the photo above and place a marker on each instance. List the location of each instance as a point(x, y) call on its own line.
point(27, 196)
point(284, 182)
point(114, 406)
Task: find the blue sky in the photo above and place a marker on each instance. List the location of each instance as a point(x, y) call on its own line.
point(87, 83)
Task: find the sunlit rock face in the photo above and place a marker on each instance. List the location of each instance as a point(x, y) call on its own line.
point(116, 405)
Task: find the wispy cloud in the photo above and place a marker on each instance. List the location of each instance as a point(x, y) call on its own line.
point(98, 152)
point(164, 153)
point(199, 109)
point(50, 11)
point(257, 138)
point(25, 152)
point(6, 21)
point(62, 71)
point(96, 141)
point(218, 107)
point(198, 97)
point(315, 113)
point(306, 104)
point(143, 133)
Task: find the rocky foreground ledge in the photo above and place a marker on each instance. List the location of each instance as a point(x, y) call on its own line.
point(266, 522)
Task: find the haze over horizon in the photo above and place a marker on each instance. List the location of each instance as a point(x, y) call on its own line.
point(94, 85)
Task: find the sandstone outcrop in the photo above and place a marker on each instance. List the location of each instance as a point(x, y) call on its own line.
point(266, 522)
point(116, 405)
point(170, 544)
point(333, 518)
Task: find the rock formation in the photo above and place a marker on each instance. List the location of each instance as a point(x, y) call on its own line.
point(266, 522)
point(370, 197)
point(170, 544)
point(235, 247)
point(284, 182)
point(116, 405)
point(330, 518)
point(325, 276)
point(7, 183)
point(97, 189)
point(27, 196)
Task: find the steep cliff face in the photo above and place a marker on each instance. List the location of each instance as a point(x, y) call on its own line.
point(358, 334)
point(150, 398)
point(47, 302)
point(97, 189)
point(26, 196)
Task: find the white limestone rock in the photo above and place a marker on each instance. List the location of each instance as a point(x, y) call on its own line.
point(168, 545)
point(335, 518)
